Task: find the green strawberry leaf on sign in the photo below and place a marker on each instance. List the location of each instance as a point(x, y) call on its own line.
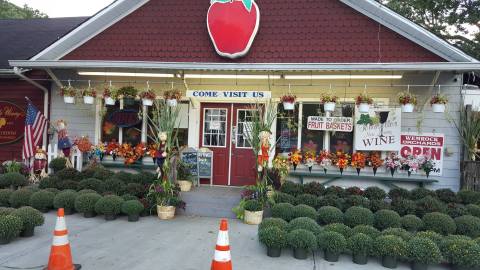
point(364, 120)
point(247, 3)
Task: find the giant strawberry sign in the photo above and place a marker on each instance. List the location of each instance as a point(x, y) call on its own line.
point(233, 25)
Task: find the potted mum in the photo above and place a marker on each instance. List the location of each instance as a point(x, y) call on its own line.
point(333, 244)
point(30, 217)
point(360, 245)
point(10, 228)
point(172, 97)
point(274, 238)
point(363, 102)
point(89, 94)
point(148, 96)
point(68, 93)
point(423, 252)
point(288, 102)
point(302, 242)
point(128, 94)
point(253, 212)
point(167, 196)
point(65, 200)
point(407, 101)
point(184, 177)
point(438, 103)
point(389, 248)
point(109, 96)
point(85, 203)
point(109, 206)
point(132, 209)
point(329, 101)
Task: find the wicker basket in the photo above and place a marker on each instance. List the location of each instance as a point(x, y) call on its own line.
point(165, 212)
point(253, 218)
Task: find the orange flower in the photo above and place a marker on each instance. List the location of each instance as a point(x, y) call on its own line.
point(375, 160)
point(295, 157)
point(358, 160)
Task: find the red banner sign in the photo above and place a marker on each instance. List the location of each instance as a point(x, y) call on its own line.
point(425, 144)
point(12, 122)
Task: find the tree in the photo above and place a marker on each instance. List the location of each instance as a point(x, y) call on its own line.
point(11, 11)
point(457, 21)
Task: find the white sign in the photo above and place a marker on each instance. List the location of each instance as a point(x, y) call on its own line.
point(228, 94)
point(378, 130)
point(426, 144)
point(342, 124)
point(215, 125)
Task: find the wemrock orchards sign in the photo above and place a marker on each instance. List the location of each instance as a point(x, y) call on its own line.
point(424, 144)
point(232, 26)
point(341, 124)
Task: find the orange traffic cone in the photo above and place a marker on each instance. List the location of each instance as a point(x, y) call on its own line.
point(222, 259)
point(60, 254)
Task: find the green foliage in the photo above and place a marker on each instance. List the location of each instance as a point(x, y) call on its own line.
point(389, 245)
point(273, 222)
point(253, 206)
point(329, 214)
point(48, 182)
point(354, 191)
point(340, 228)
point(356, 200)
point(307, 199)
point(433, 236)
point(375, 193)
point(57, 164)
point(366, 229)
point(85, 203)
point(273, 237)
point(53, 190)
point(68, 174)
point(332, 241)
point(67, 184)
point(360, 243)
point(468, 225)
point(109, 205)
point(5, 197)
point(304, 223)
point(358, 216)
point(183, 171)
point(85, 191)
point(10, 227)
point(469, 196)
point(439, 222)
point(473, 210)
point(127, 92)
point(115, 185)
point(102, 174)
point(6, 211)
point(420, 193)
point(446, 195)
point(92, 183)
point(281, 197)
point(404, 207)
point(336, 190)
point(135, 189)
point(30, 217)
point(314, 188)
point(291, 188)
point(387, 219)
point(302, 239)
point(20, 198)
point(423, 250)
point(411, 223)
point(430, 204)
point(13, 178)
point(376, 205)
point(133, 207)
point(42, 200)
point(65, 199)
point(128, 197)
point(397, 232)
point(331, 200)
point(398, 193)
point(461, 252)
point(303, 210)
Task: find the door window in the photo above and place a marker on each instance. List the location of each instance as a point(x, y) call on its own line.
point(215, 128)
point(244, 127)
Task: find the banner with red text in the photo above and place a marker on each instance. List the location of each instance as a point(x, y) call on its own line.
point(341, 124)
point(426, 144)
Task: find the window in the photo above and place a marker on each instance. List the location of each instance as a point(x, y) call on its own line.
point(312, 140)
point(287, 130)
point(244, 126)
point(215, 127)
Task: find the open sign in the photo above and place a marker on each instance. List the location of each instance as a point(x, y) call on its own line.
point(428, 145)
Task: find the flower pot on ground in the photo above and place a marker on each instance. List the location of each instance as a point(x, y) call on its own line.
point(42, 200)
point(363, 102)
point(165, 212)
point(172, 97)
point(109, 206)
point(302, 242)
point(438, 103)
point(333, 244)
point(13, 180)
point(184, 177)
point(360, 245)
point(10, 228)
point(30, 219)
point(389, 248)
point(423, 252)
point(167, 196)
point(461, 252)
point(288, 102)
point(132, 209)
point(253, 212)
point(65, 200)
point(407, 101)
point(85, 203)
point(148, 97)
point(274, 239)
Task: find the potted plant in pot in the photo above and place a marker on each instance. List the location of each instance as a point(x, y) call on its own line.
point(172, 97)
point(68, 93)
point(407, 101)
point(110, 206)
point(360, 245)
point(42, 200)
point(329, 101)
point(109, 95)
point(253, 212)
point(167, 196)
point(389, 248)
point(65, 200)
point(184, 177)
point(132, 209)
point(128, 94)
point(10, 228)
point(274, 239)
point(423, 252)
point(148, 96)
point(302, 242)
point(438, 103)
point(31, 218)
point(288, 102)
point(333, 244)
point(463, 254)
point(363, 102)
point(85, 203)
point(89, 95)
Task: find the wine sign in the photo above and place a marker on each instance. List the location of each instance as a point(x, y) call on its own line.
point(378, 130)
point(424, 144)
point(12, 122)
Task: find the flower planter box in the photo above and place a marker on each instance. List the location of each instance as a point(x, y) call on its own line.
point(329, 106)
point(288, 106)
point(88, 100)
point(407, 108)
point(253, 218)
point(185, 185)
point(165, 212)
point(69, 100)
point(363, 107)
point(438, 108)
point(147, 102)
point(109, 101)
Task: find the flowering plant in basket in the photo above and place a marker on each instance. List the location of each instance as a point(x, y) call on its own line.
point(172, 94)
point(83, 144)
point(324, 159)
point(392, 162)
point(325, 98)
point(282, 165)
point(358, 161)
point(309, 159)
point(407, 98)
point(165, 193)
point(438, 99)
point(147, 94)
point(128, 153)
point(289, 98)
point(109, 92)
point(295, 158)
point(363, 98)
point(375, 161)
point(89, 92)
point(68, 91)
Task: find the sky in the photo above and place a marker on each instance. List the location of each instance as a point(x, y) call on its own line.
point(65, 8)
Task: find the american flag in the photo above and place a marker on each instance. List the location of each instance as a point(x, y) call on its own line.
point(35, 124)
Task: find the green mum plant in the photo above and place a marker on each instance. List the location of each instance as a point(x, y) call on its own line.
point(423, 250)
point(360, 243)
point(273, 237)
point(10, 228)
point(332, 241)
point(302, 239)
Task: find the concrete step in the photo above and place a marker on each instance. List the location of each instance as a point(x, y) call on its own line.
point(206, 201)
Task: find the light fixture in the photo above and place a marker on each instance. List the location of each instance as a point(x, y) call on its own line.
point(125, 74)
point(231, 76)
point(342, 77)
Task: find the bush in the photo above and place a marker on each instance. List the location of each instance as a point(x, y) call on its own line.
point(356, 200)
point(53, 190)
point(332, 241)
point(281, 197)
point(433, 236)
point(366, 229)
point(133, 207)
point(42, 200)
point(125, 177)
point(456, 210)
point(92, 183)
point(273, 237)
point(463, 253)
point(30, 217)
point(65, 199)
point(307, 199)
point(358, 216)
point(429, 205)
point(85, 203)
point(446, 195)
point(102, 174)
point(354, 191)
point(68, 184)
point(6, 211)
point(339, 228)
point(404, 207)
point(420, 193)
point(291, 188)
point(330, 200)
point(423, 250)
point(469, 196)
point(389, 245)
point(109, 205)
point(439, 222)
point(303, 210)
point(336, 190)
point(411, 223)
point(114, 185)
point(273, 222)
point(376, 205)
point(314, 188)
point(283, 211)
point(387, 219)
point(5, 197)
point(360, 243)
point(68, 174)
point(302, 239)
point(85, 191)
point(397, 232)
point(57, 164)
point(375, 193)
point(20, 198)
point(398, 193)
point(304, 223)
point(473, 210)
point(48, 182)
point(14, 179)
point(253, 206)
point(329, 214)
point(468, 225)
point(135, 189)
point(128, 197)
point(10, 227)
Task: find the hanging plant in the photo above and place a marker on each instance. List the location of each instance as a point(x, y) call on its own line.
point(148, 96)
point(288, 102)
point(407, 101)
point(363, 101)
point(109, 95)
point(358, 161)
point(172, 97)
point(329, 101)
point(128, 93)
point(89, 94)
point(68, 93)
point(438, 103)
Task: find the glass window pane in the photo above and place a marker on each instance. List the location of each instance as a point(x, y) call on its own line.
point(287, 130)
point(312, 140)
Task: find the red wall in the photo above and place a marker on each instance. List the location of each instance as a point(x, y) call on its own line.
point(15, 91)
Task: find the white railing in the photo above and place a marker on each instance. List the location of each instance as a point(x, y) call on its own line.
point(76, 157)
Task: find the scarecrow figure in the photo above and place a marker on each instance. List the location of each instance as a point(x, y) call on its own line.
point(40, 163)
point(64, 142)
point(264, 149)
point(161, 153)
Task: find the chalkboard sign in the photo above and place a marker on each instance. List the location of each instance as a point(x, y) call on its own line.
point(205, 160)
point(190, 159)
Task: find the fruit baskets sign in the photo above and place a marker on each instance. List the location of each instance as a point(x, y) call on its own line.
point(378, 130)
point(12, 122)
point(233, 25)
point(342, 124)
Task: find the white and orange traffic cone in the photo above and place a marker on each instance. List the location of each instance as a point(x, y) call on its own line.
point(222, 259)
point(60, 254)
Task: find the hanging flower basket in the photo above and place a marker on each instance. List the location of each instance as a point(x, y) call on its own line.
point(438, 108)
point(68, 93)
point(147, 97)
point(128, 93)
point(88, 100)
point(172, 97)
point(172, 102)
point(329, 102)
point(69, 100)
point(109, 101)
point(438, 103)
point(109, 94)
point(407, 101)
point(89, 95)
point(288, 102)
point(363, 101)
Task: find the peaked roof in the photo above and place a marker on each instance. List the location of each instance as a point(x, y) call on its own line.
point(23, 38)
point(301, 31)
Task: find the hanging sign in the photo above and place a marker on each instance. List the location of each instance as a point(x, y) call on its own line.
point(124, 118)
point(12, 122)
point(228, 94)
point(232, 26)
point(342, 124)
point(378, 130)
point(425, 144)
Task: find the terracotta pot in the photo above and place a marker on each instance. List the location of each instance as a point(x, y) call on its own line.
point(88, 100)
point(109, 101)
point(363, 107)
point(185, 185)
point(147, 102)
point(253, 218)
point(69, 100)
point(438, 108)
point(288, 106)
point(165, 212)
point(407, 108)
point(274, 252)
point(172, 102)
point(329, 106)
